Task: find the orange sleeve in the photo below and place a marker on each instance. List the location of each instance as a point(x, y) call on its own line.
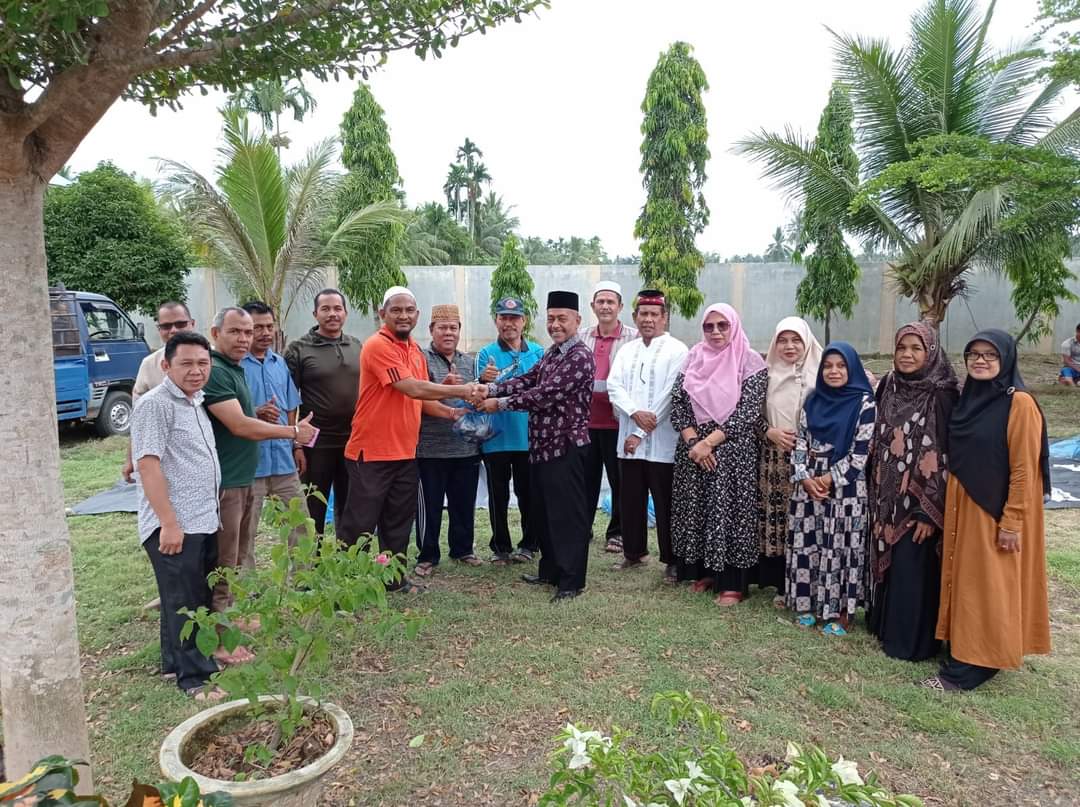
point(386, 361)
point(1025, 444)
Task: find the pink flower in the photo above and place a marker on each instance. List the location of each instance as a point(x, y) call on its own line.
point(382, 559)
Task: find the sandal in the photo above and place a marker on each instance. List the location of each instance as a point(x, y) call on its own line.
point(241, 655)
point(704, 584)
point(407, 586)
point(614, 544)
point(206, 693)
point(778, 602)
point(626, 563)
point(522, 555)
point(671, 574)
point(501, 560)
point(424, 569)
point(834, 629)
point(726, 599)
point(806, 621)
point(938, 684)
point(470, 560)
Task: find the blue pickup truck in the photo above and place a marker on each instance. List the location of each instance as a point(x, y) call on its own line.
point(97, 351)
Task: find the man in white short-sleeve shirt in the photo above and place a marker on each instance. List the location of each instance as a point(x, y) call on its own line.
point(1070, 360)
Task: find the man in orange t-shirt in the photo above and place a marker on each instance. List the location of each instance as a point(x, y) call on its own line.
point(381, 452)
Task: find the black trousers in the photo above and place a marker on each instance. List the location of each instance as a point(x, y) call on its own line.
point(904, 608)
point(181, 583)
point(603, 454)
point(382, 495)
point(638, 479)
point(453, 480)
point(326, 468)
point(560, 518)
point(964, 675)
point(500, 467)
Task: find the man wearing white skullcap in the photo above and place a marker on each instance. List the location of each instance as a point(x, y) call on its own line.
point(605, 339)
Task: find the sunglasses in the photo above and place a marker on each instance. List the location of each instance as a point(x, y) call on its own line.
point(179, 325)
point(709, 327)
point(974, 355)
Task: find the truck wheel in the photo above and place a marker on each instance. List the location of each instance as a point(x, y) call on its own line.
point(115, 414)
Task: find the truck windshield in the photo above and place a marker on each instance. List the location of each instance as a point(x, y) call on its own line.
point(106, 322)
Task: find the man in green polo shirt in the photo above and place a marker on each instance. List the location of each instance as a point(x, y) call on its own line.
point(237, 432)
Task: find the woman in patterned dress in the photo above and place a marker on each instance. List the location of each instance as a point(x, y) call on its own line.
point(826, 552)
point(716, 408)
point(793, 360)
point(907, 484)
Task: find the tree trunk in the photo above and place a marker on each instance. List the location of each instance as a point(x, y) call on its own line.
point(41, 692)
point(828, 327)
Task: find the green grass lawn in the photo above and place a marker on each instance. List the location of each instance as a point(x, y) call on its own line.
point(497, 671)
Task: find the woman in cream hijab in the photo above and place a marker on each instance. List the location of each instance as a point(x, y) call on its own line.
point(793, 359)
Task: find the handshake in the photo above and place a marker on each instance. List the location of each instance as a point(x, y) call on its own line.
point(478, 397)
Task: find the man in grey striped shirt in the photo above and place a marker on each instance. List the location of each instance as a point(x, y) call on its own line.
point(172, 444)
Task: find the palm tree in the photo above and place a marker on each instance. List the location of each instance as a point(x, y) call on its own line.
point(478, 173)
point(457, 179)
point(778, 251)
point(945, 93)
point(495, 222)
point(268, 98)
point(261, 224)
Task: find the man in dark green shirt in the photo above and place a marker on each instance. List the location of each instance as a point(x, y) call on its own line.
point(237, 432)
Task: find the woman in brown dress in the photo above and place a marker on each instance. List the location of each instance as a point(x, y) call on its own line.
point(793, 359)
point(994, 608)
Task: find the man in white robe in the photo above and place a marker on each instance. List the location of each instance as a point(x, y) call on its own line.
point(639, 385)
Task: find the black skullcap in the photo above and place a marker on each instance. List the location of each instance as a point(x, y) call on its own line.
point(563, 299)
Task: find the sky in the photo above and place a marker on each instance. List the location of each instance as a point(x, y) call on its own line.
point(554, 103)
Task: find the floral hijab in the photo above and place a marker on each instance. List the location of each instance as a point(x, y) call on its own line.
point(908, 471)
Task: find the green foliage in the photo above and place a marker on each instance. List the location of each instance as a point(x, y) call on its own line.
point(52, 782)
point(572, 251)
point(307, 596)
point(700, 769)
point(674, 151)
point(926, 115)
point(831, 272)
point(241, 41)
point(105, 233)
point(268, 98)
point(1061, 18)
point(1040, 281)
point(495, 222)
point(778, 250)
point(261, 223)
point(371, 266)
point(511, 280)
point(434, 238)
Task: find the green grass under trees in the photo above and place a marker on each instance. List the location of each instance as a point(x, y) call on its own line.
point(497, 671)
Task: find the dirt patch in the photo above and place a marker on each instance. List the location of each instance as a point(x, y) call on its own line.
point(221, 751)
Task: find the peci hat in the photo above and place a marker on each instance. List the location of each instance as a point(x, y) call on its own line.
point(607, 285)
point(511, 306)
point(445, 313)
point(563, 299)
point(650, 297)
point(394, 291)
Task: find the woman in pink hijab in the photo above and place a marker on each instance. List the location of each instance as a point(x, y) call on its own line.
point(716, 408)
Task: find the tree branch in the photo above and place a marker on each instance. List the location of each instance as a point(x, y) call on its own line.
point(181, 25)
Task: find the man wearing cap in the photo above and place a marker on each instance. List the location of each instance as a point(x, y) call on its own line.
point(381, 452)
point(449, 467)
point(506, 455)
point(640, 383)
point(605, 340)
point(556, 393)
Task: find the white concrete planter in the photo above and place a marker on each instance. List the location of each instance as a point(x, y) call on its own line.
point(300, 788)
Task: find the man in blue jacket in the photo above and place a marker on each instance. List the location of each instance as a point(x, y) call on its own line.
point(506, 456)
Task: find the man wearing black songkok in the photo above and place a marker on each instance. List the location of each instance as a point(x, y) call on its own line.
point(557, 393)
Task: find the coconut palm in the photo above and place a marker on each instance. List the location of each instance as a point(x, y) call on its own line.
point(457, 179)
point(261, 225)
point(944, 95)
point(495, 223)
point(778, 250)
point(268, 98)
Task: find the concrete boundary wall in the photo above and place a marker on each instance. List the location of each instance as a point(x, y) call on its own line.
point(763, 293)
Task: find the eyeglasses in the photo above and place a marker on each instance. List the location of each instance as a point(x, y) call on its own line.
point(178, 325)
point(974, 355)
point(709, 327)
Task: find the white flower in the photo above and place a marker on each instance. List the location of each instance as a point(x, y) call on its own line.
point(789, 792)
point(847, 772)
point(679, 788)
point(695, 770)
point(793, 752)
point(578, 746)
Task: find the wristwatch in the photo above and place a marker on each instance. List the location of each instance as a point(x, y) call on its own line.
point(693, 441)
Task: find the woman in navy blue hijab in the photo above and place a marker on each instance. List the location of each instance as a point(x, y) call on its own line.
point(827, 523)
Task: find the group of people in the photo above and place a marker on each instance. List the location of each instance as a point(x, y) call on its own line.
point(911, 499)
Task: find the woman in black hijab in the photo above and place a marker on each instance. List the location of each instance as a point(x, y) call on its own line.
point(994, 607)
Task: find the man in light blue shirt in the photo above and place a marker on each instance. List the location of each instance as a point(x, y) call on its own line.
point(506, 455)
point(276, 400)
